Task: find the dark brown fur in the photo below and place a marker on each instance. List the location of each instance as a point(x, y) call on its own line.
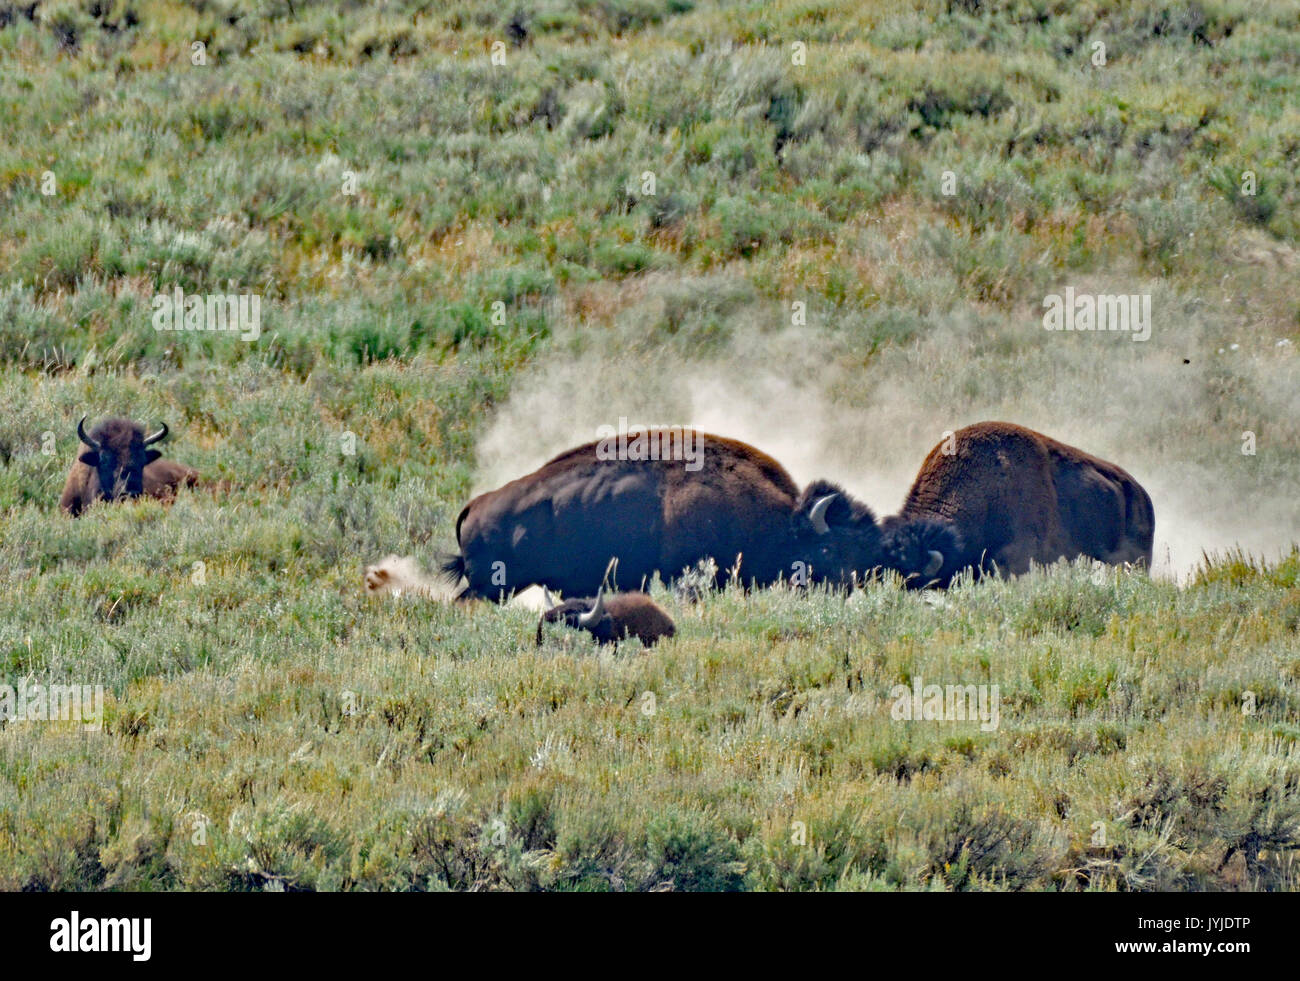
point(561, 525)
point(1016, 496)
point(123, 465)
point(626, 615)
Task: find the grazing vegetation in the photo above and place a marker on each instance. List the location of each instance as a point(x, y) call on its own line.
point(638, 192)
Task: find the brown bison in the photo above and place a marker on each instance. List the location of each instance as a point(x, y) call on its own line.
point(561, 525)
point(115, 462)
point(1016, 496)
point(610, 620)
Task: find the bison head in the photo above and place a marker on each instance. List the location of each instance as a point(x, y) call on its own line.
point(117, 452)
point(581, 614)
point(921, 550)
point(836, 536)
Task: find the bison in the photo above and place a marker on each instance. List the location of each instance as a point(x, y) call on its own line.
point(1016, 496)
point(115, 461)
point(560, 525)
point(623, 615)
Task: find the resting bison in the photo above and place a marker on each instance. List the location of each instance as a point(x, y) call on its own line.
point(1017, 496)
point(611, 620)
point(115, 462)
point(561, 525)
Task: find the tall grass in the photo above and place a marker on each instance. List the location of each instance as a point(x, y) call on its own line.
point(505, 278)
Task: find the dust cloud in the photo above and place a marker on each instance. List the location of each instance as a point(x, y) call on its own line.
point(1173, 410)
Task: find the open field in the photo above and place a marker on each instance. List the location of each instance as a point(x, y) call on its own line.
point(661, 210)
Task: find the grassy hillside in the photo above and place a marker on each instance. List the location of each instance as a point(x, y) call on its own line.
point(618, 220)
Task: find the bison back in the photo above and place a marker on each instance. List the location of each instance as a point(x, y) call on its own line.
point(637, 615)
point(1017, 496)
point(560, 525)
point(162, 478)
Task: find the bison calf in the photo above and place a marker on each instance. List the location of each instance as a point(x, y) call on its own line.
point(115, 462)
point(610, 620)
point(1016, 497)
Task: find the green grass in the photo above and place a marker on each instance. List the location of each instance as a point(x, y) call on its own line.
point(466, 757)
point(501, 283)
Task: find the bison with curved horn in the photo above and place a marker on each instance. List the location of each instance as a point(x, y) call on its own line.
point(116, 461)
point(1018, 497)
point(623, 615)
point(560, 525)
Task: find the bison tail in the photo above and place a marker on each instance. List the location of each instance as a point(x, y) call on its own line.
point(451, 568)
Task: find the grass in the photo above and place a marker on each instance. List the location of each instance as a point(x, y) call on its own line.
point(502, 281)
point(262, 733)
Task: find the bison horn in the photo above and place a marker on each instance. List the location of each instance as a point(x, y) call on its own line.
point(160, 434)
point(592, 617)
point(817, 514)
point(81, 433)
point(936, 563)
point(549, 602)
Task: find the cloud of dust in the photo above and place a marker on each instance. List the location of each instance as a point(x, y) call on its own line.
point(401, 576)
point(801, 395)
